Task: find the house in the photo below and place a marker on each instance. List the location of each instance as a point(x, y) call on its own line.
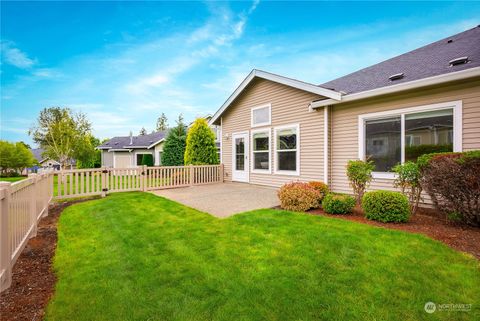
point(128, 151)
point(276, 129)
point(46, 162)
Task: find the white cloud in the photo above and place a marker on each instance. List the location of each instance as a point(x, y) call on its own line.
point(15, 56)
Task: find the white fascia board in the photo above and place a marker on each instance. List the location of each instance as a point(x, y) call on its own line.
point(157, 142)
point(333, 95)
point(435, 80)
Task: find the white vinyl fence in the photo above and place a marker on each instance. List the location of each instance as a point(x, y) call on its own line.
point(22, 204)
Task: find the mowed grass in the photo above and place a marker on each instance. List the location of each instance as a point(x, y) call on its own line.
point(12, 179)
point(136, 256)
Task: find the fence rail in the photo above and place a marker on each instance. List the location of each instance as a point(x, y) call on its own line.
point(22, 204)
point(102, 181)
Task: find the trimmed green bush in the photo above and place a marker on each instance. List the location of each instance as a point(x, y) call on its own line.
point(174, 146)
point(386, 206)
point(298, 197)
point(336, 203)
point(359, 174)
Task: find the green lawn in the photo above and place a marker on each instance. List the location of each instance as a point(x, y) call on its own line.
point(136, 256)
point(12, 179)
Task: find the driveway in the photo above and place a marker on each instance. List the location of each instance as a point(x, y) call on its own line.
point(223, 199)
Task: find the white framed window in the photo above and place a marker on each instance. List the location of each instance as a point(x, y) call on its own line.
point(392, 137)
point(261, 150)
point(261, 115)
point(287, 150)
point(139, 158)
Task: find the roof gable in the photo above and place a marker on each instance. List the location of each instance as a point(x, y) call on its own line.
point(319, 90)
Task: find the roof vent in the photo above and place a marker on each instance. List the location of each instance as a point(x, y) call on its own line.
point(458, 61)
point(116, 143)
point(396, 76)
point(449, 41)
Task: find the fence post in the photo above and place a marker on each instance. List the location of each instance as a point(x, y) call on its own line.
point(104, 181)
point(144, 177)
point(192, 171)
point(46, 193)
point(33, 204)
point(5, 255)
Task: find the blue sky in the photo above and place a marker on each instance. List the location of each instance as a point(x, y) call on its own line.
point(124, 63)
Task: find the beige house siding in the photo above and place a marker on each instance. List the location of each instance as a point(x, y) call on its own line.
point(107, 159)
point(288, 106)
point(344, 124)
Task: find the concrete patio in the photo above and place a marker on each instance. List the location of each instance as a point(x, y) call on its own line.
point(223, 199)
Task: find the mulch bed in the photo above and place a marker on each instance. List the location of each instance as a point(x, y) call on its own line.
point(33, 281)
point(426, 221)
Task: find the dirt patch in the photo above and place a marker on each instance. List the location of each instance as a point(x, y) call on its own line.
point(427, 221)
point(33, 280)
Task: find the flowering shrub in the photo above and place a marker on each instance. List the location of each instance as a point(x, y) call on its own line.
point(386, 206)
point(321, 187)
point(298, 197)
point(336, 203)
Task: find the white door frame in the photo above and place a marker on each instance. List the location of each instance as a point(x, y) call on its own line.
point(241, 176)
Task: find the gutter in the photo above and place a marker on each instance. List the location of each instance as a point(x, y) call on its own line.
point(435, 80)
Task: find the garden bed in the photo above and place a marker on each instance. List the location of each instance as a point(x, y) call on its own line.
point(456, 235)
point(33, 279)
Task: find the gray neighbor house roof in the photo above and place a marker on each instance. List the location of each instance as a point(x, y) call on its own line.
point(37, 153)
point(428, 61)
point(141, 141)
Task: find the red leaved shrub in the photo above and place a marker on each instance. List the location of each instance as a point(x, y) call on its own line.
point(453, 182)
point(298, 197)
point(321, 187)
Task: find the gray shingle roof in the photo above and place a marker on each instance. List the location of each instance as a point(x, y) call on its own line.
point(37, 153)
point(430, 60)
point(141, 141)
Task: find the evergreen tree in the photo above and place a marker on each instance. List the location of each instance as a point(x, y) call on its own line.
point(143, 131)
point(162, 123)
point(174, 146)
point(201, 148)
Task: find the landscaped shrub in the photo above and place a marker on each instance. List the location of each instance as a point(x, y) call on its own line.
point(386, 206)
point(321, 187)
point(174, 146)
point(298, 197)
point(359, 174)
point(408, 180)
point(452, 180)
point(336, 203)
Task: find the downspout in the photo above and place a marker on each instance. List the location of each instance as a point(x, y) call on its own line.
point(221, 140)
point(325, 145)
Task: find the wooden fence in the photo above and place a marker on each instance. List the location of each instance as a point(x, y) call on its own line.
point(102, 181)
point(22, 204)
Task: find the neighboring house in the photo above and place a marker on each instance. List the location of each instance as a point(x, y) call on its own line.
point(127, 151)
point(47, 163)
point(275, 129)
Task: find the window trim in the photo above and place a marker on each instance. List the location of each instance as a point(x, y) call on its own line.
point(456, 106)
point(267, 130)
point(275, 163)
point(269, 105)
